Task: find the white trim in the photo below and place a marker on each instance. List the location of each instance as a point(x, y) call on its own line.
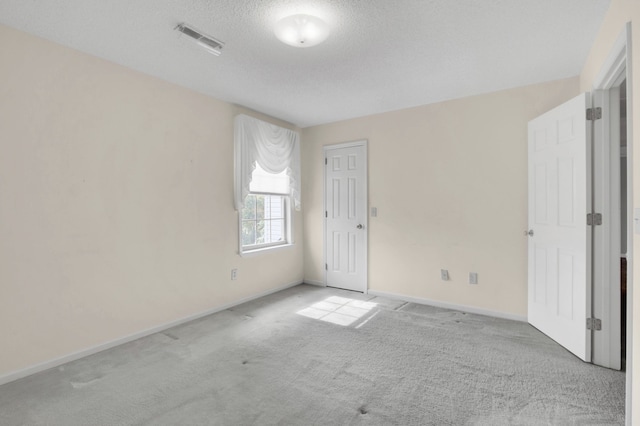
point(314, 282)
point(33, 369)
point(606, 293)
point(359, 142)
point(257, 251)
point(630, 233)
point(453, 306)
point(611, 67)
point(615, 68)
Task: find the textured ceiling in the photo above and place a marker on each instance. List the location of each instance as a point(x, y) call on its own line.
point(381, 55)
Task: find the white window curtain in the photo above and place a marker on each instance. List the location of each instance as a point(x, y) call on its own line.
point(262, 181)
point(274, 149)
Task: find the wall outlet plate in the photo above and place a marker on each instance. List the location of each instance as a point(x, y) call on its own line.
point(444, 275)
point(473, 278)
point(234, 274)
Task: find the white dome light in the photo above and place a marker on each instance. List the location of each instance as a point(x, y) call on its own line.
point(302, 30)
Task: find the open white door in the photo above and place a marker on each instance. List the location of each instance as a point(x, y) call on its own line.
point(346, 216)
point(559, 254)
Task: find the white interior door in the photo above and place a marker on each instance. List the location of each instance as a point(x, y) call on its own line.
point(346, 216)
point(559, 248)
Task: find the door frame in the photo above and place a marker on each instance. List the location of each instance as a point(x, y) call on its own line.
point(606, 293)
point(325, 149)
point(616, 67)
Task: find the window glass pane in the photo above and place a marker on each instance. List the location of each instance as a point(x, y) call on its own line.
point(267, 206)
point(277, 208)
point(248, 232)
point(273, 207)
point(260, 235)
point(249, 210)
point(277, 230)
point(260, 206)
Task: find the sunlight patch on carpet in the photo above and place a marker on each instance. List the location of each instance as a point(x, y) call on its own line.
point(338, 310)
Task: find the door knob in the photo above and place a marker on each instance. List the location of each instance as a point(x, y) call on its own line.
point(529, 232)
point(361, 226)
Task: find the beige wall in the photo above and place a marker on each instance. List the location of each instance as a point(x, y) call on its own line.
point(116, 209)
point(450, 184)
point(621, 12)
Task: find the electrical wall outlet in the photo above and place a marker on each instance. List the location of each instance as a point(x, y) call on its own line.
point(444, 275)
point(473, 278)
point(234, 274)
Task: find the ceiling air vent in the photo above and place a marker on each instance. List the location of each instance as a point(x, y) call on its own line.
point(209, 43)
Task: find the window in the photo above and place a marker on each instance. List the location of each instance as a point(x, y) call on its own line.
point(264, 216)
point(263, 221)
point(267, 182)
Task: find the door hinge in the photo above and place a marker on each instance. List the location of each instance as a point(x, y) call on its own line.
point(594, 219)
point(326, 213)
point(325, 162)
point(594, 324)
point(326, 267)
point(594, 114)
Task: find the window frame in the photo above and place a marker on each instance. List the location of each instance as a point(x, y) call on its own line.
point(288, 219)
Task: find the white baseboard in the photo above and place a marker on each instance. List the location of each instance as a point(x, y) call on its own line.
point(314, 282)
point(16, 375)
point(453, 306)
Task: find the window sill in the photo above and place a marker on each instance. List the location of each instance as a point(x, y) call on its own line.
point(255, 252)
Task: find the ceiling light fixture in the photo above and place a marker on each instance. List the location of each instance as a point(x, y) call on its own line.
point(209, 43)
point(302, 30)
